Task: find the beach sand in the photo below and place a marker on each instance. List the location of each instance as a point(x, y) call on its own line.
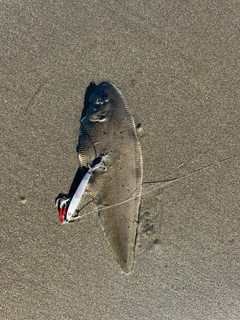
point(177, 66)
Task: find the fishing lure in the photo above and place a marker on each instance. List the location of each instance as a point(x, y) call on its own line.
point(67, 207)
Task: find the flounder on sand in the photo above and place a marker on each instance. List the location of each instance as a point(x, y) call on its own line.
point(108, 131)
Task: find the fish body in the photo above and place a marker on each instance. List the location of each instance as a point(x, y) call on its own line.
point(108, 128)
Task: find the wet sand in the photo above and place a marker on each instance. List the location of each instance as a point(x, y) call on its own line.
point(177, 66)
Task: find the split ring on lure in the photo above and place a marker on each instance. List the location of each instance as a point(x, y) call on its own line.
point(68, 206)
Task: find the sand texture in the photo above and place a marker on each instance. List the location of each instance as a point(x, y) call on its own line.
point(177, 66)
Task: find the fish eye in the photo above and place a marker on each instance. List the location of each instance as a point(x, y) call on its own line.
point(97, 100)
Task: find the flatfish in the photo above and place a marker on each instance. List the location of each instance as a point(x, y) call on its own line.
point(108, 129)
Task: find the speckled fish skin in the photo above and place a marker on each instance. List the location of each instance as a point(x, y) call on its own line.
point(109, 128)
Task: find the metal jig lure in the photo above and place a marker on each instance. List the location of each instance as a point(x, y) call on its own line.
point(68, 206)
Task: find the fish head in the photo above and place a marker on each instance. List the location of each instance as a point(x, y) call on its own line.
point(99, 107)
point(103, 103)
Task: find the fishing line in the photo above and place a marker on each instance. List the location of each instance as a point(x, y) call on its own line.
point(165, 183)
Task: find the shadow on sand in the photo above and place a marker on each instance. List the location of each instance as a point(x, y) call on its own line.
point(81, 170)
